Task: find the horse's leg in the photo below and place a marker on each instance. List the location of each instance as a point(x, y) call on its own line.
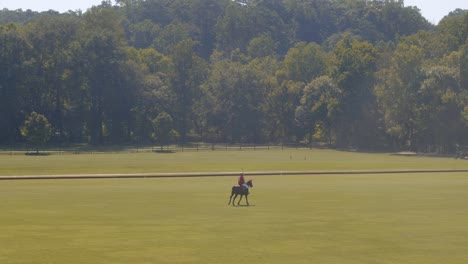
point(230, 198)
point(247, 199)
point(240, 199)
point(234, 200)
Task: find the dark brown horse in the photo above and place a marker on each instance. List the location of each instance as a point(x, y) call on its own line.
point(239, 190)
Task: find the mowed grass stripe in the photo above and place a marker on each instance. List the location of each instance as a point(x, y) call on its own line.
point(215, 161)
point(217, 174)
point(397, 218)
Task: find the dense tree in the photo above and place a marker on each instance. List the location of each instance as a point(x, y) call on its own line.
point(440, 108)
point(391, 19)
point(304, 62)
point(354, 73)
point(234, 30)
point(262, 46)
point(37, 130)
point(190, 73)
point(463, 65)
point(18, 16)
point(202, 15)
point(280, 106)
point(152, 87)
point(235, 111)
point(314, 20)
point(319, 108)
point(163, 129)
point(397, 94)
point(102, 50)
point(453, 30)
point(50, 81)
point(13, 51)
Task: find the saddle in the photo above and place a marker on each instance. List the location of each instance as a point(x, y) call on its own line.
point(244, 189)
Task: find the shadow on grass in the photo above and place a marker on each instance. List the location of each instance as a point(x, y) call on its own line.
point(36, 154)
point(164, 151)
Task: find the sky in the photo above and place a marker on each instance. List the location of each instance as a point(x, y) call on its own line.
point(432, 10)
point(44, 5)
point(435, 10)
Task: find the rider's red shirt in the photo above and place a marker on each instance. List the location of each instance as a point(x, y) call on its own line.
point(241, 180)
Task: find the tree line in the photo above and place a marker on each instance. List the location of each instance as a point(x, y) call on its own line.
point(354, 73)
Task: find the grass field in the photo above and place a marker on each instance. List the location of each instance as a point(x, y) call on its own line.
point(213, 161)
point(336, 219)
point(395, 218)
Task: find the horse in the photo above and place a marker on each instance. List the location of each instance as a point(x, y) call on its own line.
point(236, 190)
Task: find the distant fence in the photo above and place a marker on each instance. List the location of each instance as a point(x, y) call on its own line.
point(193, 147)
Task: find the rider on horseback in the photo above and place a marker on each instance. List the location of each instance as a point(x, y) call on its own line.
point(241, 182)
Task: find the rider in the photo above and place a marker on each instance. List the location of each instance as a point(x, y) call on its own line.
point(241, 181)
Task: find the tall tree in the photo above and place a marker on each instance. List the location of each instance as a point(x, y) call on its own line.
point(202, 16)
point(305, 62)
point(163, 128)
point(319, 107)
point(453, 30)
point(13, 52)
point(440, 108)
point(262, 46)
point(397, 94)
point(37, 130)
point(190, 72)
point(153, 89)
point(354, 74)
point(314, 20)
point(233, 91)
point(50, 82)
point(103, 41)
point(234, 30)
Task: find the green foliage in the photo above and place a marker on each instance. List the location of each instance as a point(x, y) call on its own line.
point(279, 107)
point(36, 130)
point(319, 106)
point(234, 107)
point(230, 71)
point(164, 129)
point(440, 108)
point(102, 41)
point(453, 30)
point(190, 72)
point(304, 62)
point(397, 93)
point(354, 68)
point(13, 53)
point(262, 46)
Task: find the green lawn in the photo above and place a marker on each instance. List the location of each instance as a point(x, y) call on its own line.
point(209, 161)
point(336, 219)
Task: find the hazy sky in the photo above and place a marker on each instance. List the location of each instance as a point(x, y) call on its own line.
point(58, 5)
point(433, 10)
